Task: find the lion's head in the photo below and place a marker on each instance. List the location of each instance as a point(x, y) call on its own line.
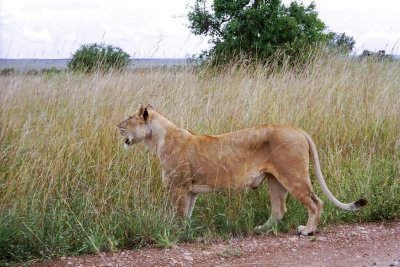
point(136, 128)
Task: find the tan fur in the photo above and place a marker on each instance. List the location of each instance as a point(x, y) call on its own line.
point(193, 164)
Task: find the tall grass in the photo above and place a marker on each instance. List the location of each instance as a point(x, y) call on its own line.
point(68, 187)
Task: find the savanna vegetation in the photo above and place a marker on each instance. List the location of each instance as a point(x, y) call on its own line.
point(68, 187)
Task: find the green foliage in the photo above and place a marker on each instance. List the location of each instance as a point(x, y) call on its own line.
point(341, 41)
point(98, 57)
point(7, 71)
point(256, 29)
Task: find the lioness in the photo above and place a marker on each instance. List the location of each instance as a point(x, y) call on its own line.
point(193, 164)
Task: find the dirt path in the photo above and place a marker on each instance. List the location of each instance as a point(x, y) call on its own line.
point(376, 244)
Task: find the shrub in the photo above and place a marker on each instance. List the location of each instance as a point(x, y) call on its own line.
point(376, 56)
point(7, 71)
point(98, 57)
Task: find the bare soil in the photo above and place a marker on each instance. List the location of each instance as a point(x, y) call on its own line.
point(373, 244)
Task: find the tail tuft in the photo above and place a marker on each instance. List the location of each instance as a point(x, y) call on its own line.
point(360, 203)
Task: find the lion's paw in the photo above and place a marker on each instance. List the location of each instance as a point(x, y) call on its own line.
point(302, 230)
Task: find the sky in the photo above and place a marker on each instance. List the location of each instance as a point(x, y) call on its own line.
point(158, 28)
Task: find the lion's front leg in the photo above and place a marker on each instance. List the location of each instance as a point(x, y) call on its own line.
point(183, 199)
point(178, 184)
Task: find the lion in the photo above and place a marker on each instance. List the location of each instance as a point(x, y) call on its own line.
point(239, 160)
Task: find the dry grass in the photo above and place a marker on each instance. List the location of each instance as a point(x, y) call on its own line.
point(67, 186)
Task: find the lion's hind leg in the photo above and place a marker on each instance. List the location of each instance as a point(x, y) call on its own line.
point(277, 194)
point(314, 207)
point(300, 187)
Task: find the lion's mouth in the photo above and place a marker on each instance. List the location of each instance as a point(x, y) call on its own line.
point(127, 143)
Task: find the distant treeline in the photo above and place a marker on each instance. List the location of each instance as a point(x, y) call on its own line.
point(377, 56)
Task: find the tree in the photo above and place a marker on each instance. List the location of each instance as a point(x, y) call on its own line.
point(341, 41)
point(93, 57)
point(256, 29)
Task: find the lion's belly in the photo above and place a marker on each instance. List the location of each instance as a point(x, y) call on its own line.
point(220, 172)
point(252, 180)
point(249, 180)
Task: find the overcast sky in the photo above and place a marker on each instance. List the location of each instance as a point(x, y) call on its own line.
point(157, 28)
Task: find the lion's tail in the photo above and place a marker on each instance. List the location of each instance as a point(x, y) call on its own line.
point(320, 178)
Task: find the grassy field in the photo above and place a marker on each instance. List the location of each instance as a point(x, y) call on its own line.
point(68, 187)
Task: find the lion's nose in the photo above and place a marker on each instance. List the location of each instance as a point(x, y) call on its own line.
point(127, 141)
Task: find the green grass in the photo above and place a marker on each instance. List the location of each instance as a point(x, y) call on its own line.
point(67, 187)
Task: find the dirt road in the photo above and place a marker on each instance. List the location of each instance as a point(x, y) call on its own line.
point(374, 244)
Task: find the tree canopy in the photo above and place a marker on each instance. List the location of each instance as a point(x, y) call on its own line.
point(257, 29)
point(341, 41)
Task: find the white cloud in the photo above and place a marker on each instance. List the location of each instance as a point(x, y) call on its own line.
point(375, 25)
point(144, 29)
point(380, 40)
point(52, 29)
point(37, 36)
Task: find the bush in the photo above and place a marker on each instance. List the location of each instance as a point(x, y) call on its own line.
point(7, 71)
point(98, 57)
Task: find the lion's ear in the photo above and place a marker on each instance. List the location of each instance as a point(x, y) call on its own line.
point(141, 110)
